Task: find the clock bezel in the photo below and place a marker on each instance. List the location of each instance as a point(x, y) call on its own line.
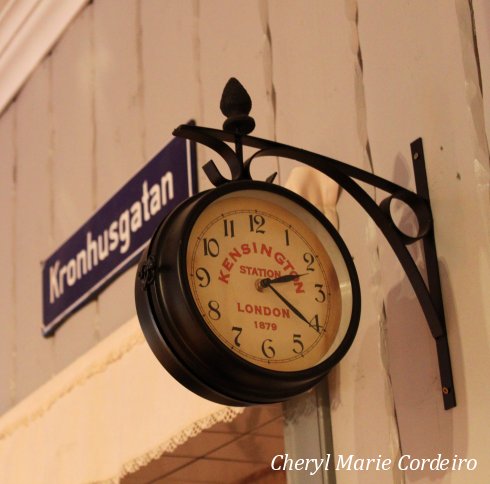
point(200, 360)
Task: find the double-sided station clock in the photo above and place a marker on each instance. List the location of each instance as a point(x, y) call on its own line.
point(247, 294)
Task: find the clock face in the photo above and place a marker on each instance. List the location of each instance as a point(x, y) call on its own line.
point(268, 280)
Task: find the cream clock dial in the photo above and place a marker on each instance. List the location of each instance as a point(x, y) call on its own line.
point(263, 283)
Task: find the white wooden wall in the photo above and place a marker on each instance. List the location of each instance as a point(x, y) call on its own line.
point(355, 80)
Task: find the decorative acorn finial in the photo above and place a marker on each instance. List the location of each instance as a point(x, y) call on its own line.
point(235, 105)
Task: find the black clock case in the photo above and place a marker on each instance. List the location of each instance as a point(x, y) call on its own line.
point(180, 338)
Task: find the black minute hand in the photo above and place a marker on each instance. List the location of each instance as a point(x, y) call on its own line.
point(290, 306)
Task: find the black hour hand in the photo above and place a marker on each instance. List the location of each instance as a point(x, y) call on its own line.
point(287, 278)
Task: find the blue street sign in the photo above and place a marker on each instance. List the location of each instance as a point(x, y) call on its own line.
point(115, 236)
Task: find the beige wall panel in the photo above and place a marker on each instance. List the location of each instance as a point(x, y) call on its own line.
point(482, 29)
point(320, 107)
point(118, 128)
point(170, 77)
point(73, 165)
point(421, 80)
point(7, 257)
point(33, 229)
point(314, 49)
point(233, 42)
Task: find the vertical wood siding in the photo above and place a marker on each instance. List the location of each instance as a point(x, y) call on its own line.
point(356, 80)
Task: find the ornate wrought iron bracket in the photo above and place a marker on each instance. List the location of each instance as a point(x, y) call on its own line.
point(236, 105)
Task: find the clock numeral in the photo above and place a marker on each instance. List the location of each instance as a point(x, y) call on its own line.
point(214, 310)
point(320, 297)
point(203, 276)
point(256, 224)
point(267, 349)
point(229, 227)
point(309, 259)
point(314, 323)
point(298, 343)
point(286, 234)
point(239, 332)
point(211, 247)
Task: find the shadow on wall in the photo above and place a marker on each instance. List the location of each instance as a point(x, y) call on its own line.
point(408, 353)
point(425, 428)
